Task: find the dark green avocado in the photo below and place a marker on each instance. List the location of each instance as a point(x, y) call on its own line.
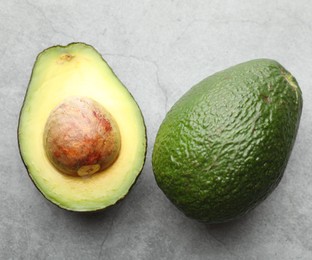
point(224, 146)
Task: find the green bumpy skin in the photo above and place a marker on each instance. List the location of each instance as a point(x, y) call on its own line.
point(223, 147)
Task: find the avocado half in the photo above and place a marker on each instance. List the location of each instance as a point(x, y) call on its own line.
point(81, 134)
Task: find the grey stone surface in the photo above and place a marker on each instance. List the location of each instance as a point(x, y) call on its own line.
point(159, 49)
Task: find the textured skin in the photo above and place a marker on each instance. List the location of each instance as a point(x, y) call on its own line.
point(223, 147)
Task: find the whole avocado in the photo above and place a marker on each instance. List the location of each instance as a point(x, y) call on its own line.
point(224, 146)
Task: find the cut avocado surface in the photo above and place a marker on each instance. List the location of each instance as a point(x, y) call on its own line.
point(223, 147)
point(81, 134)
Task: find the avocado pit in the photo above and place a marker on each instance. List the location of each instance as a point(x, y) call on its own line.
point(81, 137)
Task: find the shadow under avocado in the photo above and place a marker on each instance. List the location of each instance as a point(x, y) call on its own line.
point(93, 219)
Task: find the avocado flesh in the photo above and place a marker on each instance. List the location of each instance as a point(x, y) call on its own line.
point(77, 69)
point(223, 147)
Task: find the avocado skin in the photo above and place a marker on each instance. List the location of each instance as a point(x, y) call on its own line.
point(223, 147)
point(18, 140)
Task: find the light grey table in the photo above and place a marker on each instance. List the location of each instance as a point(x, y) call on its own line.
point(159, 49)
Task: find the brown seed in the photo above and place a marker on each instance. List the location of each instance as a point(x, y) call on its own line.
point(81, 137)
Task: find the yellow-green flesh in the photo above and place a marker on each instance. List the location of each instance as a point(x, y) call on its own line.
point(79, 70)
